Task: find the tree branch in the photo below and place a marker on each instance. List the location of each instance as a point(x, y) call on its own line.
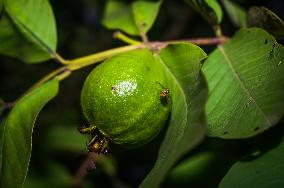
point(87, 166)
point(98, 57)
point(197, 41)
point(75, 64)
point(119, 35)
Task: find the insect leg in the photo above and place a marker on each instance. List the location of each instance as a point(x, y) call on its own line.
point(160, 84)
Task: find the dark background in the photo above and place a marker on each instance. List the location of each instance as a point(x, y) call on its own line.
point(80, 33)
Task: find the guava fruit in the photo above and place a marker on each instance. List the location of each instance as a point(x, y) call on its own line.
point(125, 101)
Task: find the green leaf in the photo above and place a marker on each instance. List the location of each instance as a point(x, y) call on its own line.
point(17, 134)
point(266, 19)
point(188, 92)
point(1, 6)
point(118, 15)
point(262, 172)
point(192, 167)
point(36, 20)
point(145, 14)
point(134, 19)
point(236, 13)
point(192, 171)
point(246, 85)
point(1, 144)
point(30, 24)
point(11, 38)
point(59, 139)
point(52, 175)
point(209, 9)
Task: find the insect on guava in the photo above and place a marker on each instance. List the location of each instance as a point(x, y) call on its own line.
point(164, 95)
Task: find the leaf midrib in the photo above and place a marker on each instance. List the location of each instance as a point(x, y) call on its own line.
point(186, 110)
point(175, 80)
point(42, 45)
point(246, 90)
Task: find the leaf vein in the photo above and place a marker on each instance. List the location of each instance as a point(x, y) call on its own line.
point(243, 86)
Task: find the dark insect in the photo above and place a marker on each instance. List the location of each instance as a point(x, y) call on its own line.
point(164, 95)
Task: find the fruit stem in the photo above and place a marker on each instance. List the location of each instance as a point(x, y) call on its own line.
point(144, 37)
point(98, 57)
point(59, 59)
point(119, 35)
point(218, 31)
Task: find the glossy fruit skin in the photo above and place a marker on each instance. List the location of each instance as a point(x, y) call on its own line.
point(121, 98)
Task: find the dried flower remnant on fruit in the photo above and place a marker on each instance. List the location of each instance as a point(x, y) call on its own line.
point(99, 142)
point(114, 88)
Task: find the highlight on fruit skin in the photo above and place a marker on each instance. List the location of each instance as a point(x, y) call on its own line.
point(123, 101)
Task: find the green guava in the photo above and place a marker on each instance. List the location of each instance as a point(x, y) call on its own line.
point(124, 98)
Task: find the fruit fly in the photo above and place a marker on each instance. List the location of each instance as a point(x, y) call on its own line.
point(164, 95)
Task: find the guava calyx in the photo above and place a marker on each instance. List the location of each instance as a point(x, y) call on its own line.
point(99, 142)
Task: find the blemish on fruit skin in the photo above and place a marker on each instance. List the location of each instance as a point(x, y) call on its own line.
point(272, 50)
point(114, 88)
point(249, 102)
